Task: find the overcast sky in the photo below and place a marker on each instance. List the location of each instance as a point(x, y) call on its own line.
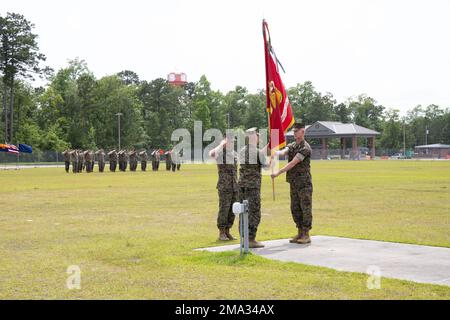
point(395, 51)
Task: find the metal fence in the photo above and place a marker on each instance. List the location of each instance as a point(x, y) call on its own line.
point(56, 158)
point(37, 157)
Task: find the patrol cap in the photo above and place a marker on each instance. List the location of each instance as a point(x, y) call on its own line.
point(251, 131)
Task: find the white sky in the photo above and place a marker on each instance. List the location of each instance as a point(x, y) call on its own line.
point(395, 51)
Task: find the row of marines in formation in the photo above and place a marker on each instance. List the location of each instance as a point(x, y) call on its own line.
point(84, 160)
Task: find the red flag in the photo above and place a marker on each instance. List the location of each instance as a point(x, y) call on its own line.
point(278, 106)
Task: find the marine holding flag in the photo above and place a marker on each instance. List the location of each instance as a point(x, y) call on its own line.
point(298, 172)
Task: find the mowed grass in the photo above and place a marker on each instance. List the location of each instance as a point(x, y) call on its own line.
point(133, 234)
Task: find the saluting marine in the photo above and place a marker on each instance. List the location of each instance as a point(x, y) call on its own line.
point(133, 160)
point(123, 163)
point(252, 160)
point(80, 160)
point(89, 160)
point(112, 155)
point(101, 160)
point(143, 156)
point(157, 157)
point(66, 155)
point(178, 159)
point(168, 155)
point(74, 160)
point(227, 187)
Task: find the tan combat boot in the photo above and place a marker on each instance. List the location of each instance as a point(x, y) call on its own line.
point(228, 234)
point(304, 239)
point(223, 235)
point(252, 243)
point(298, 236)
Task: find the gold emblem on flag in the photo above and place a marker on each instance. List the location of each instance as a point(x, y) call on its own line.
point(275, 96)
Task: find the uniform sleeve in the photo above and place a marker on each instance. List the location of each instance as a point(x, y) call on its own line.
point(304, 152)
point(262, 159)
point(219, 156)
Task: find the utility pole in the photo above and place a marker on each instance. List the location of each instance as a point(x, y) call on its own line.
point(5, 112)
point(404, 139)
point(118, 121)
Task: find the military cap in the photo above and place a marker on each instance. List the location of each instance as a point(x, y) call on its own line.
point(251, 131)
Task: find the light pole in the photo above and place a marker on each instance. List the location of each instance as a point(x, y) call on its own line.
point(118, 121)
point(404, 139)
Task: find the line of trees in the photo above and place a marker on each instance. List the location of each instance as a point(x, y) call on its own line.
point(77, 110)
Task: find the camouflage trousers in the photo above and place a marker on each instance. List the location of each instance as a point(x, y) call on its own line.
point(123, 165)
point(254, 208)
point(112, 165)
point(74, 166)
point(143, 165)
point(101, 166)
point(301, 205)
point(133, 165)
point(225, 217)
point(67, 165)
point(89, 166)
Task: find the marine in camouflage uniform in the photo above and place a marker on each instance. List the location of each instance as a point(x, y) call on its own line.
point(227, 188)
point(123, 163)
point(176, 160)
point(101, 160)
point(252, 160)
point(153, 157)
point(157, 159)
point(168, 160)
point(92, 160)
point(89, 160)
point(133, 160)
point(80, 161)
point(66, 155)
point(180, 155)
point(143, 156)
point(112, 160)
point(298, 175)
point(74, 160)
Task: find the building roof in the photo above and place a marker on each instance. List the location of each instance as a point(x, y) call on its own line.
point(434, 146)
point(324, 129)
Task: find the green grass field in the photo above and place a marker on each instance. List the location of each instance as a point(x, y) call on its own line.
point(133, 234)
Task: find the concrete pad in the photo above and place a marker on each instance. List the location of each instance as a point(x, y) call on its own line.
point(417, 263)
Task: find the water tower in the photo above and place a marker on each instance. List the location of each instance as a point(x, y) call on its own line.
point(177, 79)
